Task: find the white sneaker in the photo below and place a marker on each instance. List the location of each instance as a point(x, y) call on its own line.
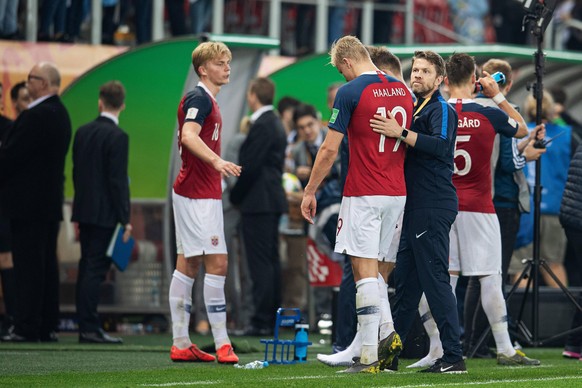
point(426, 362)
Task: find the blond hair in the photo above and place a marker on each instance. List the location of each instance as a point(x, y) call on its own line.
point(348, 47)
point(208, 51)
point(547, 107)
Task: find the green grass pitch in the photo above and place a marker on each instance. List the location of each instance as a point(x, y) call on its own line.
point(143, 361)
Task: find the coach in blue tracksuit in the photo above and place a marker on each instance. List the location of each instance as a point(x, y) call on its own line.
point(431, 207)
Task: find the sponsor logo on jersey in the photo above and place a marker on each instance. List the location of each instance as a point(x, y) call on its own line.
point(512, 122)
point(334, 114)
point(192, 113)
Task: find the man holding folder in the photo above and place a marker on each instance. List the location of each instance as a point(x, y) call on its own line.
point(100, 158)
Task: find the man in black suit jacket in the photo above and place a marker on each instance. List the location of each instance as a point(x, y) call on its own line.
point(259, 194)
point(32, 162)
point(100, 157)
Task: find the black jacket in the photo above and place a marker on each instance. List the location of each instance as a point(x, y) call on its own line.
point(100, 158)
point(571, 206)
point(259, 188)
point(32, 162)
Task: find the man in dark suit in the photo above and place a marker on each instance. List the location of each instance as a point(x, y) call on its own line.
point(100, 157)
point(32, 162)
point(259, 194)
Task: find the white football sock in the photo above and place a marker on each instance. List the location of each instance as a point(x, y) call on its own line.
point(368, 310)
point(216, 308)
point(386, 322)
point(345, 357)
point(436, 348)
point(496, 311)
point(180, 299)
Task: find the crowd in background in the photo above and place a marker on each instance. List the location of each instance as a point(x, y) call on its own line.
point(128, 22)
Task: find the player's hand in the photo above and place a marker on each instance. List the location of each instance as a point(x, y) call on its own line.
point(538, 133)
point(226, 168)
point(127, 232)
point(531, 153)
point(490, 87)
point(308, 207)
point(386, 126)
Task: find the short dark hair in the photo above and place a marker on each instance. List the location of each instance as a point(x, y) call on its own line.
point(264, 89)
point(460, 67)
point(16, 90)
point(432, 57)
point(384, 59)
point(112, 94)
point(287, 102)
point(304, 110)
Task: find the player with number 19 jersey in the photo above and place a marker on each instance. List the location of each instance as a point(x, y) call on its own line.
point(197, 179)
point(478, 125)
point(376, 164)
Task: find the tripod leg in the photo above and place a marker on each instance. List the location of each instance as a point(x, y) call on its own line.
point(564, 289)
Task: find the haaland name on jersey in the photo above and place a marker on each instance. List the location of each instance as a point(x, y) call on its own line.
point(389, 92)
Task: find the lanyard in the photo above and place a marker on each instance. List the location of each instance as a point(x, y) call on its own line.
point(421, 106)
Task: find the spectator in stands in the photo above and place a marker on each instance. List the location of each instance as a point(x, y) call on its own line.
point(8, 19)
point(571, 220)
point(176, 17)
point(20, 98)
point(286, 107)
point(383, 23)
point(200, 15)
point(41, 137)
point(562, 116)
point(469, 18)
point(143, 21)
point(574, 41)
point(53, 14)
point(507, 18)
point(336, 21)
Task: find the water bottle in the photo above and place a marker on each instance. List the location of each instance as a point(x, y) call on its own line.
point(301, 335)
point(253, 365)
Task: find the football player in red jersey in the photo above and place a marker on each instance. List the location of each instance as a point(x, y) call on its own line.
point(197, 201)
point(374, 191)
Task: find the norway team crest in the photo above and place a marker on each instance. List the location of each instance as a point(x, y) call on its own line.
point(214, 240)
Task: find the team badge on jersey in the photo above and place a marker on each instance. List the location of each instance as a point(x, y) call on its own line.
point(334, 114)
point(214, 240)
point(192, 113)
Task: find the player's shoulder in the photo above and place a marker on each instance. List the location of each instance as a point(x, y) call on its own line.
point(196, 97)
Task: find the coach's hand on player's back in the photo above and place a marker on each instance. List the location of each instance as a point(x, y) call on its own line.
point(386, 126)
point(226, 168)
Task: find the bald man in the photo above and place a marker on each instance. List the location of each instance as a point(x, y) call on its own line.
point(32, 157)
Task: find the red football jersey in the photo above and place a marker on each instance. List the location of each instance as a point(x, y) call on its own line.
point(197, 179)
point(376, 163)
point(478, 125)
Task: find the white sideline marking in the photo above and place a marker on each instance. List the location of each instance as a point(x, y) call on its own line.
point(211, 382)
point(488, 382)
